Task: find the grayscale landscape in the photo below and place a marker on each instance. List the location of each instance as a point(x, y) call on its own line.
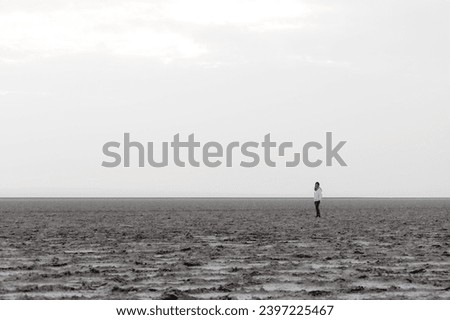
point(224, 249)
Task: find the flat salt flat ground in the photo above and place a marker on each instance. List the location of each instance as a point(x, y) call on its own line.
point(224, 249)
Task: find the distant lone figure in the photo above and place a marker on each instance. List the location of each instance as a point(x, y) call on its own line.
point(317, 198)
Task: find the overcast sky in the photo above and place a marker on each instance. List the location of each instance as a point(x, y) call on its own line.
point(76, 74)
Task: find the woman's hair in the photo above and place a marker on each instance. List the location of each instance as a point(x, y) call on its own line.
point(318, 183)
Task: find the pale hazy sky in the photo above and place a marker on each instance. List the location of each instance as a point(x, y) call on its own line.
point(76, 74)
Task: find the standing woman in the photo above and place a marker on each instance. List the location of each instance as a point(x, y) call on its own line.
point(317, 198)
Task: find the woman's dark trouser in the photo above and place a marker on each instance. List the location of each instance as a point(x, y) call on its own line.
point(317, 203)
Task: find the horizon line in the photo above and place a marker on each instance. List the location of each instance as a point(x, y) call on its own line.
point(217, 197)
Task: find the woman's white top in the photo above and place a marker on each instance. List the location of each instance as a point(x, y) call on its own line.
point(318, 194)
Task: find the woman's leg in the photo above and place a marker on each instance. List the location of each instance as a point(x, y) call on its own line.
point(317, 203)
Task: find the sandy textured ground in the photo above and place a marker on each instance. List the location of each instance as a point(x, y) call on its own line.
point(227, 249)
